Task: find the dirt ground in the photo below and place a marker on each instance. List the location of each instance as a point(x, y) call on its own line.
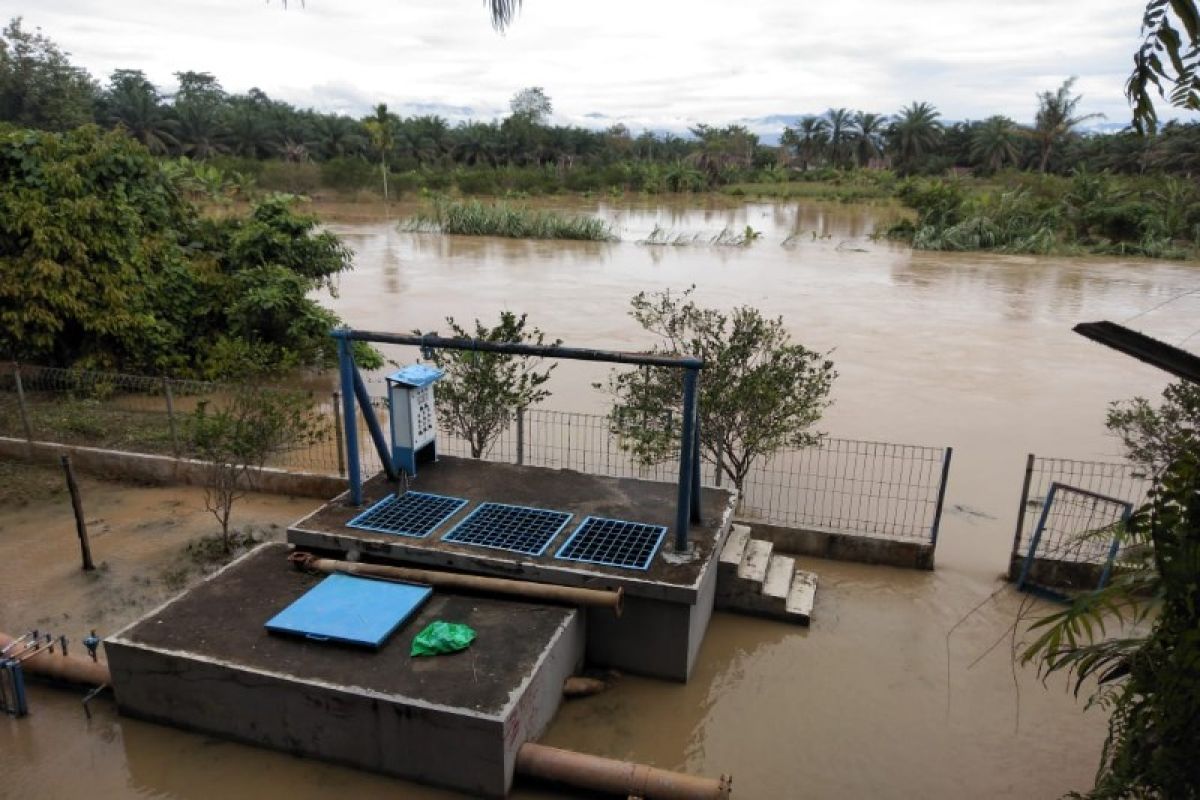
point(140, 537)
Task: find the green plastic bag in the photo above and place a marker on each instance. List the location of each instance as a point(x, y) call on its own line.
point(440, 637)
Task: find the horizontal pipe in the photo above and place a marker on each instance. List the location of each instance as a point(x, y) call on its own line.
point(601, 598)
point(520, 349)
point(58, 667)
point(622, 778)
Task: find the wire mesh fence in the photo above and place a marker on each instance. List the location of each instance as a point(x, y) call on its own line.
point(135, 413)
point(1119, 481)
point(1078, 526)
point(858, 487)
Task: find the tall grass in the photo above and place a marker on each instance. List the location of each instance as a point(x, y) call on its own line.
point(473, 218)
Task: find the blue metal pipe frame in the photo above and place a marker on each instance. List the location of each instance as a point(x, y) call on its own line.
point(350, 419)
point(688, 501)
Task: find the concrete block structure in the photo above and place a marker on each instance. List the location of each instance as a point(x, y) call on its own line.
point(204, 661)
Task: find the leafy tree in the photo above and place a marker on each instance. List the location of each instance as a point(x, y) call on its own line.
point(104, 263)
point(39, 87)
point(1148, 679)
point(759, 391)
point(531, 104)
point(1057, 119)
point(235, 438)
point(482, 391)
point(1167, 62)
point(1157, 437)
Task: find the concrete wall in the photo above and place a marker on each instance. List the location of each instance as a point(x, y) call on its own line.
point(339, 724)
point(1057, 574)
point(843, 546)
point(154, 469)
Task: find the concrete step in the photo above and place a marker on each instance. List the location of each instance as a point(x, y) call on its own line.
point(753, 579)
point(801, 597)
point(755, 562)
point(778, 582)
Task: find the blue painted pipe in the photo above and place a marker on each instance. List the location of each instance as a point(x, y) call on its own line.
point(350, 419)
point(381, 446)
point(687, 450)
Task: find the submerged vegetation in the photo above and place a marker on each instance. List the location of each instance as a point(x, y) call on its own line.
point(1088, 213)
point(473, 218)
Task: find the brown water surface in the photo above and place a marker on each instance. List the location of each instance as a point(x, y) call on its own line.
point(969, 350)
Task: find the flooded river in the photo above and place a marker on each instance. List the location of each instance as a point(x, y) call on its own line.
point(973, 351)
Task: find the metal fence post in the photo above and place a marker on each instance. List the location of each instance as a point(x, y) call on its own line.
point(941, 497)
point(171, 416)
point(687, 443)
point(1021, 511)
point(337, 433)
point(21, 402)
point(521, 435)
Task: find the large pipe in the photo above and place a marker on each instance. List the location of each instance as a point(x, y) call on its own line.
point(622, 778)
point(602, 598)
point(58, 667)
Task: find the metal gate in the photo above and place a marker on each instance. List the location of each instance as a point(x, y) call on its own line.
point(1076, 541)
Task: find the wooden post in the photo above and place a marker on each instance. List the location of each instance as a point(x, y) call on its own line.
point(171, 416)
point(85, 547)
point(21, 403)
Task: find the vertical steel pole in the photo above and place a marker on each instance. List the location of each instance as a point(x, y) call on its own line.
point(337, 433)
point(350, 418)
point(941, 498)
point(521, 435)
point(697, 515)
point(1016, 546)
point(21, 402)
point(687, 443)
point(171, 416)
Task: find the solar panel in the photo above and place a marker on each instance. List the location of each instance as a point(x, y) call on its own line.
point(520, 529)
point(410, 514)
point(345, 608)
point(613, 543)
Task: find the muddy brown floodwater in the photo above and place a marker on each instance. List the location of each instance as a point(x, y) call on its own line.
point(969, 350)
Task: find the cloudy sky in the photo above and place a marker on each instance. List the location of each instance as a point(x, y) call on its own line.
point(649, 63)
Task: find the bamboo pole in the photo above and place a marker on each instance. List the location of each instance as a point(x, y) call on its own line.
point(603, 598)
point(85, 546)
point(622, 778)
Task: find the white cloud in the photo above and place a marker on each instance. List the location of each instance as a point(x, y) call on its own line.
point(652, 64)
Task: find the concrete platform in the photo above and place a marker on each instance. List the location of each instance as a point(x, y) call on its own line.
point(667, 607)
point(204, 661)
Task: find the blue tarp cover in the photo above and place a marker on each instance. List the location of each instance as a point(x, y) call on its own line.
point(346, 608)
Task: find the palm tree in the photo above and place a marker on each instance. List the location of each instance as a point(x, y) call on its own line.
point(1056, 119)
point(869, 143)
point(201, 134)
point(134, 105)
point(335, 136)
point(915, 131)
point(995, 143)
point(840, 124)
point(380, 127)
